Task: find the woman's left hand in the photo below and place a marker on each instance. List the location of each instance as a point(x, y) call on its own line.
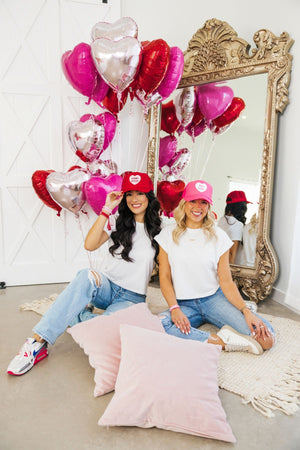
point(258, 328)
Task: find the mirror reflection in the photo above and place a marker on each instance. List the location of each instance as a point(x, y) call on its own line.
point(230, 159)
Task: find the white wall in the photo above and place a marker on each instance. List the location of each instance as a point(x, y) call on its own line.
point(176, 22)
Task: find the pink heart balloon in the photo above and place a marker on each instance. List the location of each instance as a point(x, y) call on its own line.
point(195, 130)
point(96, 190)
point(109, 123)
point(115, 31)
point(86, 137)
point(167, 149)
point(79, 69)
point(213, 100)
point(173, 74)
point(66, 189)
point(117, 62)
point(102, 168)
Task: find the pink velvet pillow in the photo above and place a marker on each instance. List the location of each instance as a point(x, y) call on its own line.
point(100, 340)
point(169, 383)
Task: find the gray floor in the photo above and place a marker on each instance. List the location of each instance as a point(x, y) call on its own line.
point(52, 407)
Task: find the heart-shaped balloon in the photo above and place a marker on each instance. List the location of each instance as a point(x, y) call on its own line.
point(115, 31)
point(195, 130)
point(79, 69)
point(117, 62)
point(169, 194)
point(155, 60)
point(179, 161)
point(185, 105)
point(97, 188)
point(169, 121)
point(173, 74)
point(230, 115)
point(102, 168)
point(109, 123)
point(100, 90)
point(86, 137)
point(113, 102)
point(38, 179)
point(66, 189)
point(213, 99)
point(167, 149)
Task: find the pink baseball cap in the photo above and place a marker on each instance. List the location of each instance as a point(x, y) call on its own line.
point(236, 197)
point(198, 190)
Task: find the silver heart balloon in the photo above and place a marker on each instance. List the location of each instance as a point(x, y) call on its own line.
point(87, 138)
point(65, 188)
point(185, 105)
point(102, 168)
point(115, 31)
point(117, 62)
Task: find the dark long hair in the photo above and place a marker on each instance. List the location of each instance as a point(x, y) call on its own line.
point(125, 227)
point(237, 210)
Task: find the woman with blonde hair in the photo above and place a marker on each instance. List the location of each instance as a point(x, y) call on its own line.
point(195, 279)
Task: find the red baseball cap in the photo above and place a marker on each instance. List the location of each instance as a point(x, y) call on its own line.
point(236, 197)
point(136, 181)
point(198, 190)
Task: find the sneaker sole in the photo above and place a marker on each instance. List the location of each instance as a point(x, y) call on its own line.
point(249, 338)
point(42, 355)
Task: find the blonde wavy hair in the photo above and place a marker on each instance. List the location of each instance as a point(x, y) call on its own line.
point(208, 224)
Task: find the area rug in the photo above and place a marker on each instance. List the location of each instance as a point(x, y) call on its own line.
point(268, 382)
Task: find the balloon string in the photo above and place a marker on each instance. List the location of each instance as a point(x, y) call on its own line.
point(139, 149)
point(208, 156)
point(83, 239)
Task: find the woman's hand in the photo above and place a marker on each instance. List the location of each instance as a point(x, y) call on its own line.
point(258, 328)
point(113, 199)
point(181, 321)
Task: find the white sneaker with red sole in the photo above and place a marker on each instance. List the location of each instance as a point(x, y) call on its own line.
point(30, 354)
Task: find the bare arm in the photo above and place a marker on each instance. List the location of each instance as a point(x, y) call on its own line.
point(232, 251)
point(167, 289)
point(96, 235)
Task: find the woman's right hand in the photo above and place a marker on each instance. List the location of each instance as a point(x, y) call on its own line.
point(181, 321)
point(113, 199)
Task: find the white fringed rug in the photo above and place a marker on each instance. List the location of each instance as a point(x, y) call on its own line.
point(268, 382)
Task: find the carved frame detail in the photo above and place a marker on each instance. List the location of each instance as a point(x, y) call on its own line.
point(216, 53)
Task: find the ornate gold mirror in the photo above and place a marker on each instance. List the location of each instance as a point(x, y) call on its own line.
point(243, 157)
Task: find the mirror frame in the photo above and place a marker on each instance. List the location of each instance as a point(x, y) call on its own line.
point(216, 53)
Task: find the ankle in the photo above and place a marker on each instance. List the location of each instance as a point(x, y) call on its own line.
point(38, 338)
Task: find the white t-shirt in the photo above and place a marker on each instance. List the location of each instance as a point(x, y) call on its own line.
point(246, 253)
point(232, 226)
point(135, 275)
point(194, 261)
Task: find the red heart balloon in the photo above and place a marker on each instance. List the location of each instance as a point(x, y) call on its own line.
point(113, 103)
point(155, 60)
point(169, 194)
point(232, 113)
point(38, 179)
point(169, 121)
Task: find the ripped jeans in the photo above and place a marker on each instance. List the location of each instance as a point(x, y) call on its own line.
point(214, 309)
point(70, 306)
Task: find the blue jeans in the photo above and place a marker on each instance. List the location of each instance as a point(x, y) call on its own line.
point(69, 307)
point(214, 309)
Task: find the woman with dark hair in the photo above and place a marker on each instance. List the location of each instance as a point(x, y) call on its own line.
point(124, 279)
point(234, 220)
point(196, 281)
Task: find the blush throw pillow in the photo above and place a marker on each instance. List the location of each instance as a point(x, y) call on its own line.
point(167, 382)
point(100, 340)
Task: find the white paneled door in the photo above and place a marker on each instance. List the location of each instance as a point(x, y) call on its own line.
point(36, 103)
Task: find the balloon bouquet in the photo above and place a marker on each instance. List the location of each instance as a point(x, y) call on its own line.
point(193, 110)
point(112, 68)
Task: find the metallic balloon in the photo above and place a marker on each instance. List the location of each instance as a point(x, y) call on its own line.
point(117, 62)
point(185, 105)
point(115, 31)
point(66, 189)
point(102, 168)
point(87, 138)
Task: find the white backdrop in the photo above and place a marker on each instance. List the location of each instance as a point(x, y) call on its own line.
point(37, 103)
